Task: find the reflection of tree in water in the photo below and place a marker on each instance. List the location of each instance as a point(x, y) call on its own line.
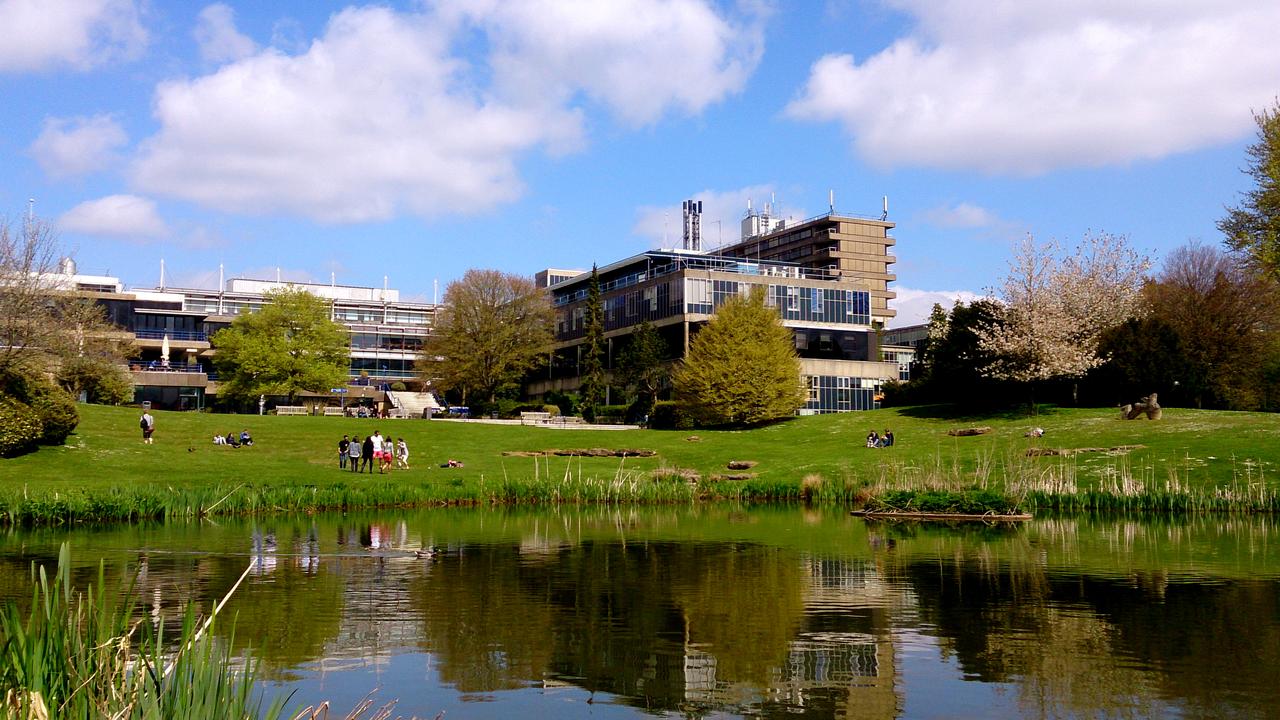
point(645, 621)
point(1088, 645)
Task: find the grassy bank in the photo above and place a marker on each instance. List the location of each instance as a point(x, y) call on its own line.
point(1189, 460)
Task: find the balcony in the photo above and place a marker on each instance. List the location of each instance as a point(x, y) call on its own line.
point(174, 335)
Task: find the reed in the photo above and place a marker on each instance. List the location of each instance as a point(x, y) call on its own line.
point(83, 654)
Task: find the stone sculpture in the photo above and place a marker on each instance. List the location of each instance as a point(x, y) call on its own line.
point(1148, 406)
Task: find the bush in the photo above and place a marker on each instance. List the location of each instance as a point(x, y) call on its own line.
point(563, 401)
point(101, 381)
point(57, 411)
point(397, 386)
point(670, 416)
point(639, 410)
point(20, 427)
point(611, 413)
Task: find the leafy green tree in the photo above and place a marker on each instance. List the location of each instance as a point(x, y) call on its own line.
point(100, 380)
point(644, 367)
point(492, 328)
point(741, 368)
point(592, 369)
point(290, 345)
point(1253, 227)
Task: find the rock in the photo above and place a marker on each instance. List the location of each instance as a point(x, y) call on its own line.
point(1068, 452)
point(741, 464)
point(693, 438)
point(966, 432)
point(1148, 406)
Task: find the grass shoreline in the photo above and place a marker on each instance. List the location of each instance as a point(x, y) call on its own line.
point(1192, 461)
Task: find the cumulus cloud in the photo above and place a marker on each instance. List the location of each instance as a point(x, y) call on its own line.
point(641, 58)
point(69, 147)
point(1025, 88)
point(124, 216)
point(960, 215)
point(380, 116)
point(41, 34)
point(914, 305)
point(664, 225)
point(217, 36)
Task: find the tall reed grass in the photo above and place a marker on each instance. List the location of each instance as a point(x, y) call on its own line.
point(83, 654)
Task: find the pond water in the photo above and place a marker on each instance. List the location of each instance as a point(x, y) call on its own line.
point(722, 611)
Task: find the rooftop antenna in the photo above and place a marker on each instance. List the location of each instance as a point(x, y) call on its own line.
point(277, 274)
point(831, 201)
point(885, 215)
point(31, 212)
point(333, 278)
point(221, 286)
point(161, 273)
point(435, 291)
point(692, 224)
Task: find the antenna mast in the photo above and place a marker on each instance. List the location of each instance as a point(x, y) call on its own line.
point(692, 224)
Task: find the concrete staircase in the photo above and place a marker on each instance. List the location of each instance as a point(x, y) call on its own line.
point(411, 404)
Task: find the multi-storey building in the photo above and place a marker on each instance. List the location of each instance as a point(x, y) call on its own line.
point(173, 365)
point(827, 276)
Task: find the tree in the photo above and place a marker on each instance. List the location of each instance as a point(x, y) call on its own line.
point(43, 322)
point(1253, 227)
point(1226, 314)
point(643, 367)
point(1056, 309)
point(492, 328)
point(592, 368)
point(290, 345)
point(742, 367)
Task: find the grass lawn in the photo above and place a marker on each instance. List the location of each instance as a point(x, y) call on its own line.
point(294, 456)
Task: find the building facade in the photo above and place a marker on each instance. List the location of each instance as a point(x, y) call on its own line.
point(828, 277)
point(172, 327)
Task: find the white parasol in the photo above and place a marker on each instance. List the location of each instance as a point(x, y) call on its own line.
point(164, 347)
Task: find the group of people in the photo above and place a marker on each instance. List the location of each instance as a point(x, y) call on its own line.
point(875, 440)
point(232, 440)
point(373, 450)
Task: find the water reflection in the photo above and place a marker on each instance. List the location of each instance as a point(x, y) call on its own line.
point(711, 611)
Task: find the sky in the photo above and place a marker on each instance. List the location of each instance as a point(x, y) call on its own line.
point(406, 142)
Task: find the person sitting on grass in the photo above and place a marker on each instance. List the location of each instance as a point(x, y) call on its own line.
point(244, 437)
point(452, 464)
point(232, 440)
point(873, 439)
point(219, 440)
point(887, 440)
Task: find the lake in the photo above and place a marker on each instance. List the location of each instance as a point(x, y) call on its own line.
point(721, 611)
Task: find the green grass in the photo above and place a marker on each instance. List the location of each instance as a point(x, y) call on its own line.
point(1191, 460)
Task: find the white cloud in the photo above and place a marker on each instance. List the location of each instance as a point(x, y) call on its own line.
point(1029, 87)
point(68, 147)
point(125, 216)
point(960, 215)
point(217, 36)
point(40, 34)
point(914, 305)
point(641, 58)
point(664, 225)
point(379, 116)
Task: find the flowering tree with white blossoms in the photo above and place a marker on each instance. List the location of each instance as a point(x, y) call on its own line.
point(1056, 308)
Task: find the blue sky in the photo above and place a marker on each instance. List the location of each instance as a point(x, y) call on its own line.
point(415, 140)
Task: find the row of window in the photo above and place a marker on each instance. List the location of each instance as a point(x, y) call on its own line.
point(829, 393)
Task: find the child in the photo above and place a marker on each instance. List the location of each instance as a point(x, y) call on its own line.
point(402, 454)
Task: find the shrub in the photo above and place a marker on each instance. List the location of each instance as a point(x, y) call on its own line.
point(611, 413)
point(101, 381)
point(57, 412)
point(670, 416)
point(564, 401)
point(20, 427)
point(397, 386)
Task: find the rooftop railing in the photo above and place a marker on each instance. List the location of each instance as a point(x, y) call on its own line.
point(184, 335)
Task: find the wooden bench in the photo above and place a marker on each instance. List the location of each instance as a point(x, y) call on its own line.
point(291, 410)
point(333, 411)
point(535, 418)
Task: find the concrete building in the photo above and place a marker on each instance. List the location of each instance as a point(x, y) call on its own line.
point(173, 365)
point(828, 276)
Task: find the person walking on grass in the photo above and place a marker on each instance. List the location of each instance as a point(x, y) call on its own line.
point(402, 455)
point(353, 451)
point(343, 444)
point(148, 425)
point(366, 454)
